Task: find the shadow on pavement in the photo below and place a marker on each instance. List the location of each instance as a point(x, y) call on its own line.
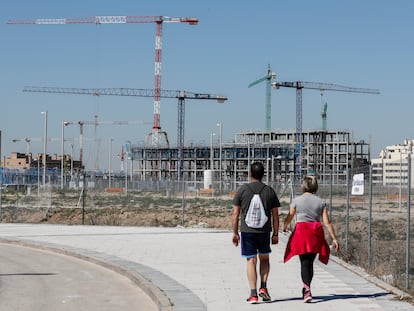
point(319, 299)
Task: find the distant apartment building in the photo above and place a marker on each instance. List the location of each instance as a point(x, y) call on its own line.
point(17, 161)
point(22, 161)
point(391, 168)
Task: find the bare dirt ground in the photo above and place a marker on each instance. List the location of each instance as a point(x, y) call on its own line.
point(139, 209)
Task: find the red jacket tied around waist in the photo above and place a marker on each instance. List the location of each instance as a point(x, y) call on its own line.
point(308, 237)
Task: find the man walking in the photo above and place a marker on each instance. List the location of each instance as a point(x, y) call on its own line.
point(255, 239)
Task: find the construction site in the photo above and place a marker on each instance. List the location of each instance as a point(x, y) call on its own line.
point(327, 154)
point(222, 166)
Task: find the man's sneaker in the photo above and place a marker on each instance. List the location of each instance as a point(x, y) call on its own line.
point(264, 294)
point(252, 299)
point(307, 296)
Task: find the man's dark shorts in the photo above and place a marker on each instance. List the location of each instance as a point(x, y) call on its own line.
point(255, 243)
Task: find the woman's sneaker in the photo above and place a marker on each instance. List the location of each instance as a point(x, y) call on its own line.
point(252, 299)
point(264, 294)
point(307, 296)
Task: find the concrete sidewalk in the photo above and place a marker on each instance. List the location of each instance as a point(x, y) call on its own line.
point(200, 269)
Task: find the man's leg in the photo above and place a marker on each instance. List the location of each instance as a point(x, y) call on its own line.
point(252, 277)
point(252, 273)
point(264, 267)
point(264, 274)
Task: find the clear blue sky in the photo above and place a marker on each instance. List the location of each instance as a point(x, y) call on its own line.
point(367, 44)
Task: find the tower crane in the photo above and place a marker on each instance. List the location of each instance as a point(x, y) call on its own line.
point(180, 95)
point(299, 86)
point(100, 20)
point(268, 78)
point(324, 116)
point(96, 123)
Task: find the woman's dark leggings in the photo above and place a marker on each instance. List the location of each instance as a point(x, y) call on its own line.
point(306, 267)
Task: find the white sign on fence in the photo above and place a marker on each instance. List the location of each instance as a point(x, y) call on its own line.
point(358, 184)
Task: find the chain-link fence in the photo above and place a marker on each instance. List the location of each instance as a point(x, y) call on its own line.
point(373, 226)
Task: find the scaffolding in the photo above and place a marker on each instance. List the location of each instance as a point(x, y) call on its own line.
point(328, 154)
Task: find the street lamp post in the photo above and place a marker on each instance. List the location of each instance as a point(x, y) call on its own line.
point(38, 175)
point(71, 162)
point(212, 157)
point(267, 166)
point(110, 162)
point(126, 175)
point(248, 159)
point(62, 163)
point(220, 125)
point(44, 149)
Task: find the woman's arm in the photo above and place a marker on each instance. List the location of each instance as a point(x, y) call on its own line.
point(288, 218)
point(330, 228)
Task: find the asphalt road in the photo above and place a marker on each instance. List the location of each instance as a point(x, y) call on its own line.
point(35, 280)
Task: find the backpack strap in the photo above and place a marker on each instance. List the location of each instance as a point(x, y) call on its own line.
point(264, 186)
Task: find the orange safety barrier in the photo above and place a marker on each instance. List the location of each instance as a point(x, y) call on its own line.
point(396, 197)
point(357, 199)
point(206, 191)
point(114, 189)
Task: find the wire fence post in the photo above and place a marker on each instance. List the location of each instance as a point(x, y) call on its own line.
point(408, 239)
point(370, 217)
point(83, 198)
point(330, 195)
point(347, 210)
point(1, 182)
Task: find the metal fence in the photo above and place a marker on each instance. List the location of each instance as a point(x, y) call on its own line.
point(373, 226)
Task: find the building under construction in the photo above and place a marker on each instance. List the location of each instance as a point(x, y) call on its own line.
point(224, 167)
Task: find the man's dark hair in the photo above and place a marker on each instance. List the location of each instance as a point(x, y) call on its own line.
point(257, 170)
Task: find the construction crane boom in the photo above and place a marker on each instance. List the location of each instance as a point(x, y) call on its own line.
point(323, 87)
point(99, 20)
point(124, 92)
point(180, 95)
point(96, 123)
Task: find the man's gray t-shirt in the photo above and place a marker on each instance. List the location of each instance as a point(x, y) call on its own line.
point(243, 198)
point(309, 207)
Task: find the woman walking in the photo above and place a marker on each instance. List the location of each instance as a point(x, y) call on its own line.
point(308, 238)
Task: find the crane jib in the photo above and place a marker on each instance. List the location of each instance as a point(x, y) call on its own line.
point(323, 87)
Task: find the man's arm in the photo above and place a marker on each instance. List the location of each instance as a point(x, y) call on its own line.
point(235, 224)
point(275, 222)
